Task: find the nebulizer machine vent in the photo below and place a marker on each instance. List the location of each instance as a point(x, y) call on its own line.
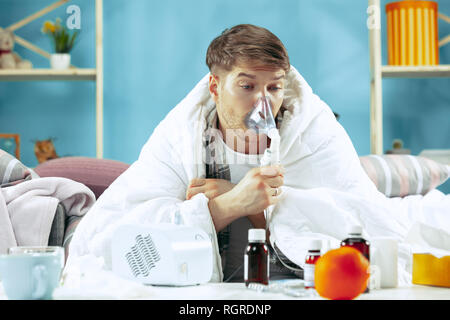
point(162, 254)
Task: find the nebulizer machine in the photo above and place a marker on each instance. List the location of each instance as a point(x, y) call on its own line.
point(162, 254)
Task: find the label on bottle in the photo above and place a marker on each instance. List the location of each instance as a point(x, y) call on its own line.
point(245, 267)
point(308, 274)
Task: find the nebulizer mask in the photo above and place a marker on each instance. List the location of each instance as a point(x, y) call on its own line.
point(262, 121)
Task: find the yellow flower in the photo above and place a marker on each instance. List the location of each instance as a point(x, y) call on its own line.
point(48, 26)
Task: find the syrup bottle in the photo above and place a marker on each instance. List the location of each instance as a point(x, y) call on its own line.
point(356, 241)
point(256, 258)
point(310, 261)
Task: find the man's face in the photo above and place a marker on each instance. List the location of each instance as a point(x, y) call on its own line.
point(236, 92)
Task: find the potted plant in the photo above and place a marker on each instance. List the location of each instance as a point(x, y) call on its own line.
point(62, 41)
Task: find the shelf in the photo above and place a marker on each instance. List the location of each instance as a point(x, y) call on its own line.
point(439, 71)
point(378, 72)
point(73, 74)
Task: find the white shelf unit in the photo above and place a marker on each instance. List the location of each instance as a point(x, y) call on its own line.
point(71, 74)
point(378, 71)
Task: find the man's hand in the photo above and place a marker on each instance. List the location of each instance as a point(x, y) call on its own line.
point(210, 187)
point(253, 194)
point(257, 190)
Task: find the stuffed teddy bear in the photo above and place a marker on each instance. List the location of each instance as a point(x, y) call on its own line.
point(8, 58)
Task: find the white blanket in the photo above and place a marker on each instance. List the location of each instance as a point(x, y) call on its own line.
point(28, 208)
point(326, 188)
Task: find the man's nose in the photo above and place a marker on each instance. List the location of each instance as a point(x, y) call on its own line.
point(260, 98)
point(263, 93)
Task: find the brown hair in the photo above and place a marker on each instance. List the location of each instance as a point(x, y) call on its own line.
point(244, 43)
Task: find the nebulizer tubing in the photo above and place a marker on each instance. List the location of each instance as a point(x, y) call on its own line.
point(262, 121)
point(271, 157)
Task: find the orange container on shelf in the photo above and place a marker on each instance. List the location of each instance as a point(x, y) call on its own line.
point(412, 33)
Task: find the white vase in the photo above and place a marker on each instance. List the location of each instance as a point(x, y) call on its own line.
point(60, 61)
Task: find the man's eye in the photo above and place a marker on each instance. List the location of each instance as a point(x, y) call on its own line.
point(246, 87)
point(275, 88)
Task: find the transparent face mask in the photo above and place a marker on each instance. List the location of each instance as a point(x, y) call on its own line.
point(261, 119)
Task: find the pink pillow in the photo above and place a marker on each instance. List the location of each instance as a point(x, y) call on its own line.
point(96, 174)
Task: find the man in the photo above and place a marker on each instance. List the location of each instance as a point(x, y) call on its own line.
point(242, 73)
point(201, 165)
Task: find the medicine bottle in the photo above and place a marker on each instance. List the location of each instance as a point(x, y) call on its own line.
point(310, 262)
point(356, 241)
point(256, 258)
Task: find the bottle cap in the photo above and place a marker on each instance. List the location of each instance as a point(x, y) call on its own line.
point(256, 235)
point(355, 230)
point(315, 245)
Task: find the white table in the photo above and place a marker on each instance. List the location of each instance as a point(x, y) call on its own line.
point(238, 291)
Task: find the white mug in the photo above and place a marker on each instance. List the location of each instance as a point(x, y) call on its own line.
point(31, 272)
point(383, 262)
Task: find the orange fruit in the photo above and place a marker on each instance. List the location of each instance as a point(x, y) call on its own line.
point(341, 274)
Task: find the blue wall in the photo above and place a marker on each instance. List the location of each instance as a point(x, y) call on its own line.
point(154, 53)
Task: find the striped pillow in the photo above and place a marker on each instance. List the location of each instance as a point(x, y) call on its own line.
point(12, 171)
point(402, 175)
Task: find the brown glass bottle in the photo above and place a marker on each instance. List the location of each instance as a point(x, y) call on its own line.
point(356, 241)
point(256, 258)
